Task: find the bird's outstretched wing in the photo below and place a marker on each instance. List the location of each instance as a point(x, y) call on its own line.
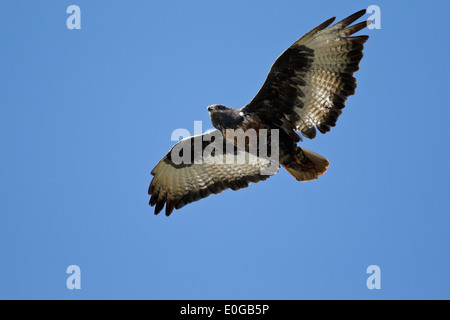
point(176, 184)
point(309, 83)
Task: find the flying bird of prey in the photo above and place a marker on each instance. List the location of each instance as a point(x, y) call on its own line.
point(305, 91)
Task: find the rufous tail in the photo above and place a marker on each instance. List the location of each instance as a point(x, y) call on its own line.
point(305, 165)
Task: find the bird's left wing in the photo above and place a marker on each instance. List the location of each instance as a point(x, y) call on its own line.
point(309, 83)
point(205, 172)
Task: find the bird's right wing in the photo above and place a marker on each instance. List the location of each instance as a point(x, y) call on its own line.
point(309, 83)
point(204, 170)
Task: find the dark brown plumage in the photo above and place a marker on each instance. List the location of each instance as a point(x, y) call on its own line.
point(305, 90)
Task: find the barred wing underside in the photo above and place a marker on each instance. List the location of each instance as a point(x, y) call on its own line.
point(309, 83)
point(177, 184)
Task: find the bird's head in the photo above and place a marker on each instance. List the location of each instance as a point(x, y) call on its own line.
point(223, 117)
point(217, 108)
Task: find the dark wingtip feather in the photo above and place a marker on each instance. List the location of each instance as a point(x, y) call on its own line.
point(153, 199)
point(311, 33)
point(159, 207)
point(350, 19)
point(169, 207)
point(324, 24)
point(355, 28)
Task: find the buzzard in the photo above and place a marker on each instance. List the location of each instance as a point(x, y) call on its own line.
point(305, 91)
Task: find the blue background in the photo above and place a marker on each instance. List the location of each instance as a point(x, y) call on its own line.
point(86, 114)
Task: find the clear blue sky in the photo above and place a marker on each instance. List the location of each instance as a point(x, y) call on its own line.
point(86, 114)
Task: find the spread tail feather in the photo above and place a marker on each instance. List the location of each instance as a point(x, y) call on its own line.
point(306, 165)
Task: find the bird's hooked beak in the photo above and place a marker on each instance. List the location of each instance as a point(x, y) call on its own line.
point(210, 108)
